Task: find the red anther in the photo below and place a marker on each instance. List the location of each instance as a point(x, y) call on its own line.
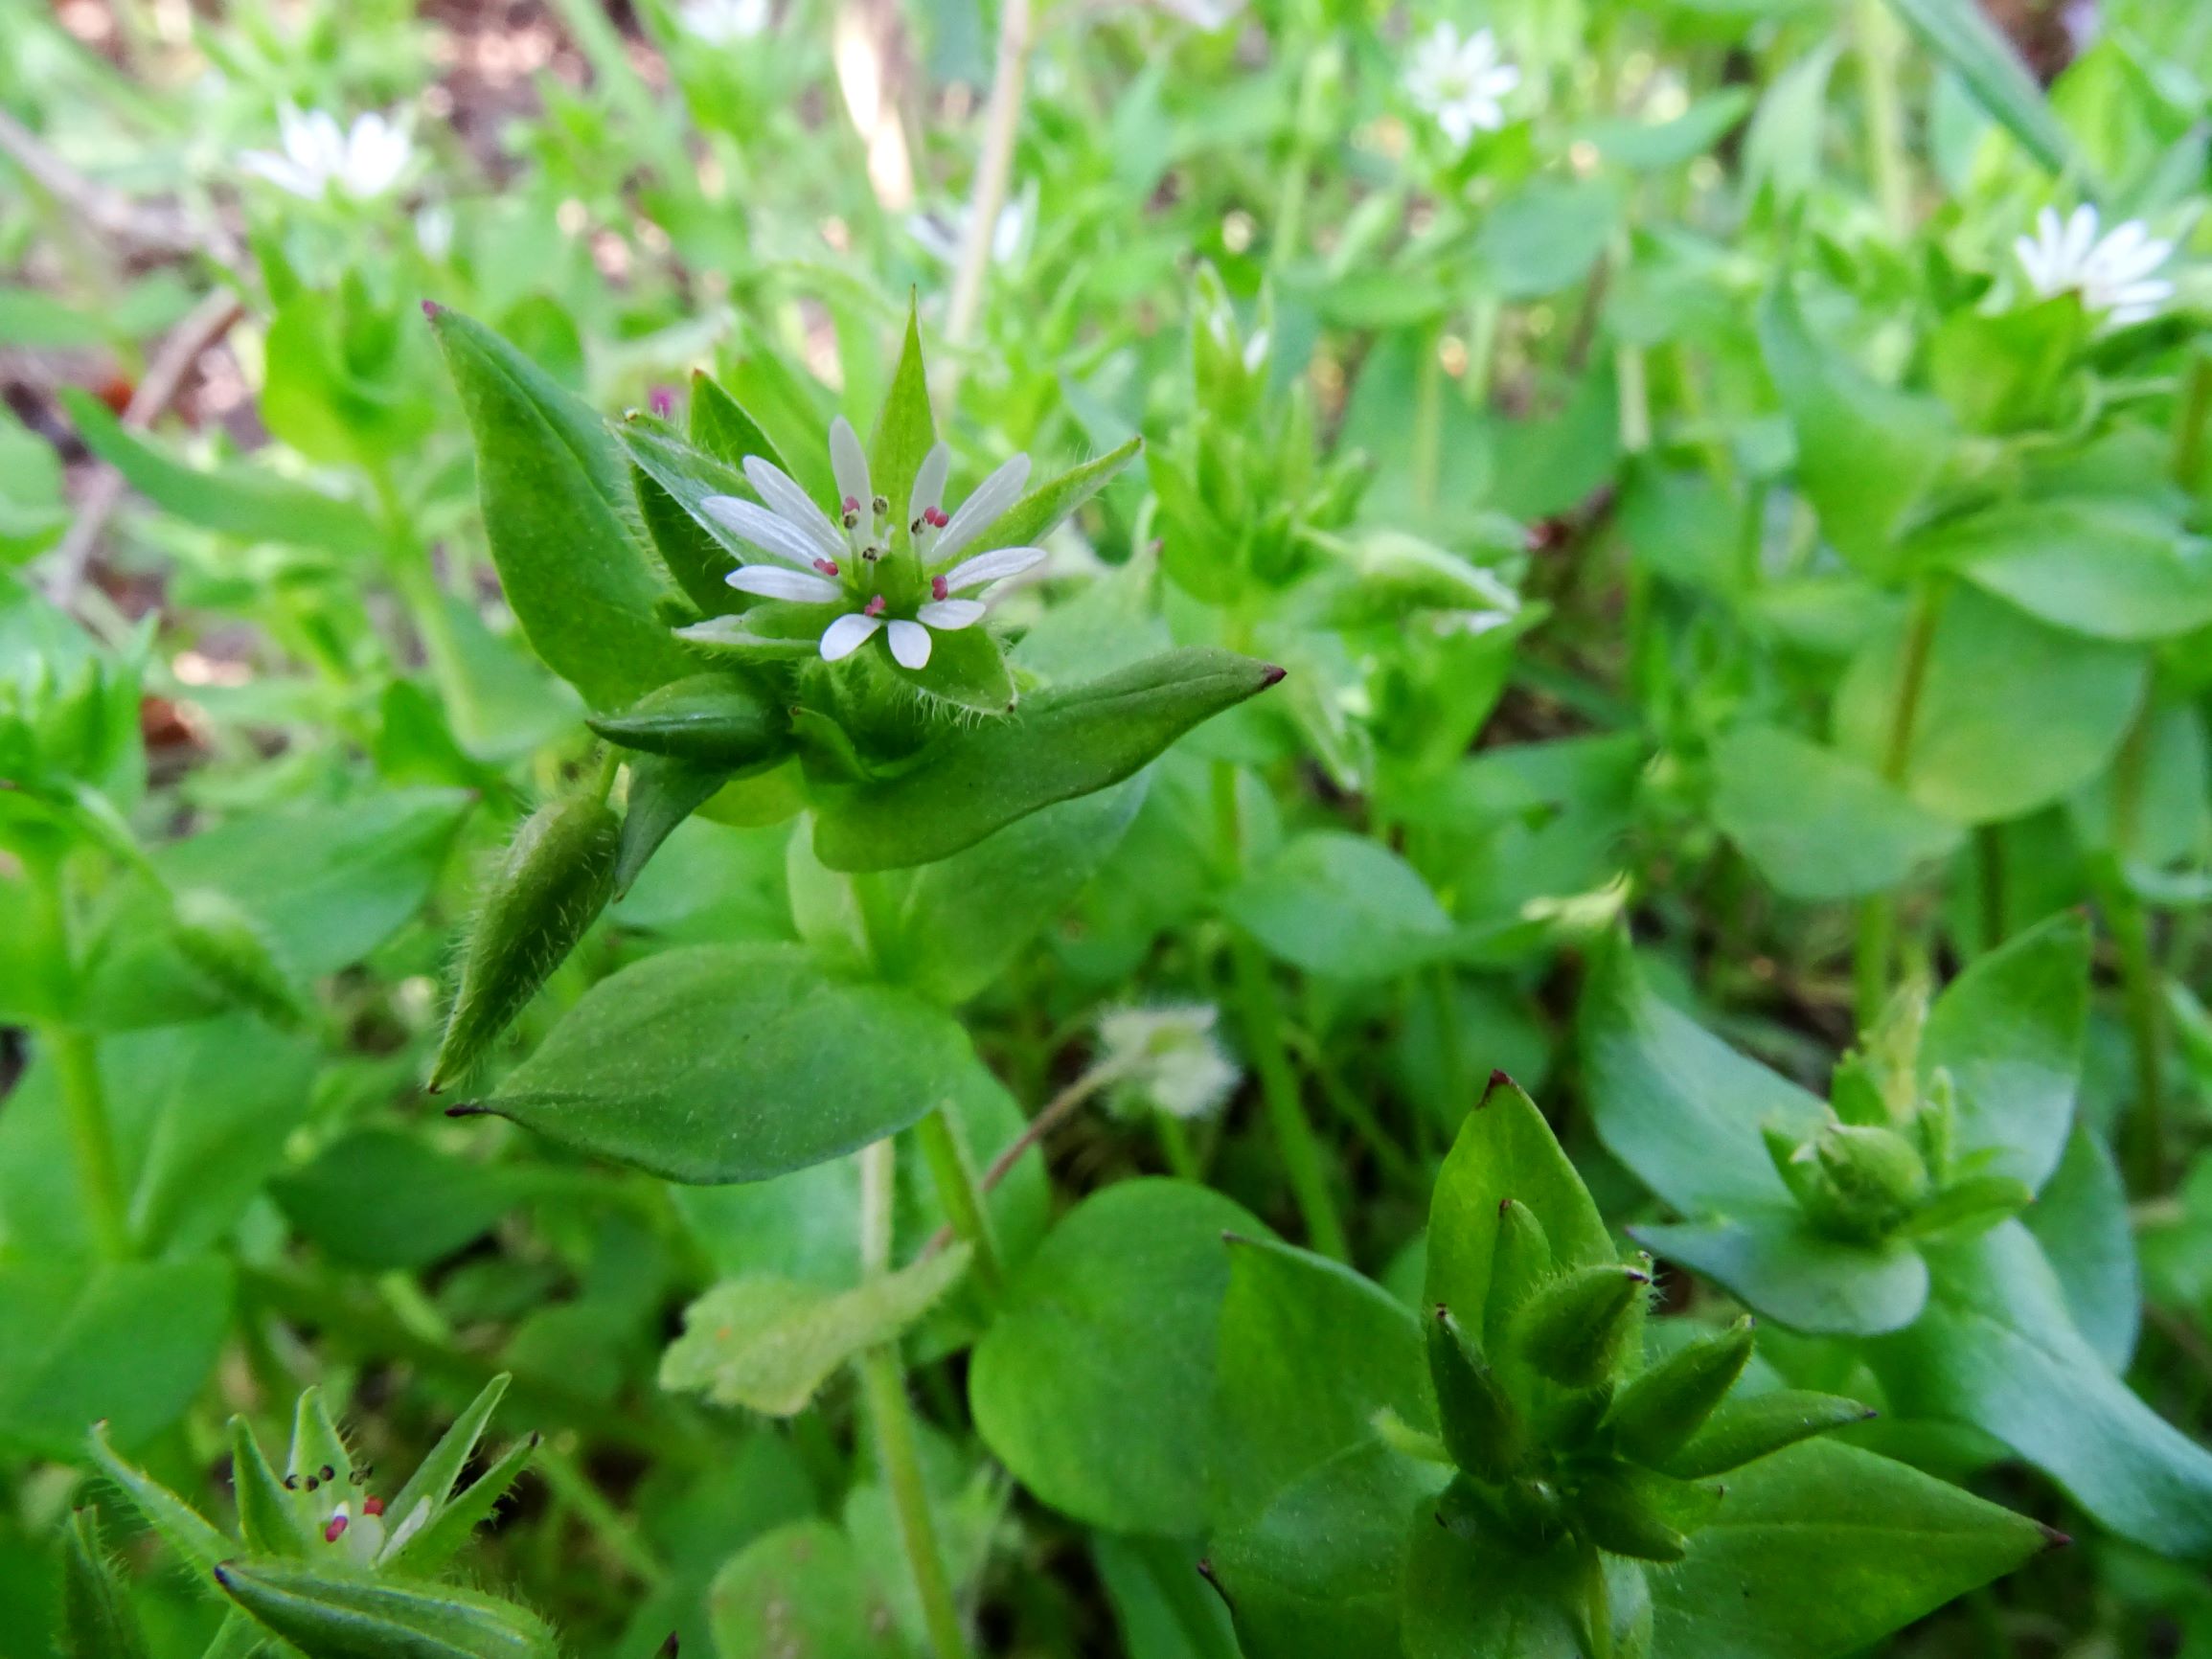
point(937, 516)
point(937, 587)
point(827, 566)
point(335, 1531)
point(851, 503)
point(874, 606)
point(372, 1506)
point(664, 402)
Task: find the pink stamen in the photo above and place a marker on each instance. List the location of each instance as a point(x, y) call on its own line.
point(851, 503)
point(874, 606)
point(827, 566)
point(936, 516)
point(937, 587)
point(337, 1530)
point(372, 1506)
point(664, 402)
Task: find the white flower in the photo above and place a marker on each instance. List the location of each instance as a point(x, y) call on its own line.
point(864, 579)
point(434, 230)
point(1169, 1059)
point(941, 232)
point(2112, 273)
point(722, 22)
point(362, 162)
point(1462, 83)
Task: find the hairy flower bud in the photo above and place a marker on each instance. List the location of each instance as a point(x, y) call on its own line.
point(1577, 1329)
point(96, 1620)
point(234, 952)
point(1661, 1409)
point(713, 719)
point(1518, 1266)
point(1482, 1428)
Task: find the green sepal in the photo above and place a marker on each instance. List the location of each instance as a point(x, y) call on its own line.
point(441, 1537)
point(184, 1529)
point(1757, 1425)
point(1658, 1412)
point(97, 1618)
point(1519, 1266)
point(236, 954)
point(433, 1479)
point(711, 719)
point(268, 1519)
point(967, 667)
point(1973, 1205)
point(905, 429)
point(663, 792)
point(318, 1457)
point(1482, 1427)
point(1034, 516)
point(557, 876)
point(330, 1614)
point(1634, 1513)
point(1577, 1328)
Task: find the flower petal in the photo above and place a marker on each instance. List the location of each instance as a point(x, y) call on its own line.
point(982, 510)
point(846, 635)
point(793, 505)
point(770, 532)
point(850, 462)
point(773, 581)
point(994, 566)
point(946, 615)
point(929, 481)
point(909, 645)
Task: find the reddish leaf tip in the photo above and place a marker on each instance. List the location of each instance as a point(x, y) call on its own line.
point(468, 1109)
point(431, 309)
point(1274, 673)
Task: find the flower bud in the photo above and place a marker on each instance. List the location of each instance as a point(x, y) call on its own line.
point(713, 719)
point(1661, 1409)
point(329, 1613)
point(96, 1620)
point(1760, 1424)
point(556, 878)
point(236, 954)
point(1577, 1329)
point(1519, 1263)
point(1875, 1177)
point(1482, 1427)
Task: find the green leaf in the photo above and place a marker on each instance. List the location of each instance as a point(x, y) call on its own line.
point(1676, 1105)
point(1310, 1353)
point(1771, 1258)
point(1997, 1350)
point(905, 427)
point(735, 1063)
point(690, 551)
point(1546, 235)
point(1094, 1386)
point(703, 551)
point(2081, 1220)
point(2100, 566)
point(1477, 1595)
point(1866, 453)
point(129, 1344)
point(327, 1613)
point(1341, 906)
point(2009, 1030)
point(720, 427)
point(1060, 743)
point(1505, 1149)
point(768, 1344)
point(1818, 826)
point(2013, 714)
point(1318, 1573)
point(1036, 515)
point(381, 1199)
point(1821, 1549)
point(241, 501)
point(1960, 34)
point(559, 508)
point(801, 1592)
point(554, 879)
point(96, 1620)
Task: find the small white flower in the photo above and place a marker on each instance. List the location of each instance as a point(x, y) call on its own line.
point(362, 162)
point(941, 232)
point(865, 580)
point(722, 22)
point(1463, 85)
point(2114, 273)
point(1169, 1059)
point(434, 230)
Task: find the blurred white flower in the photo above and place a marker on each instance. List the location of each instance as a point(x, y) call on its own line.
point(941, 232)
point(434, 230)
point(2113, 273)
point(1462, 83)
point(1168, 1060)
point(722, 22)
point(363, 161)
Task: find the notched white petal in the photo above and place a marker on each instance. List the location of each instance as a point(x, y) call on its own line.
point(849, 462)
point(794, 506)
point(984, 508)
point(766, 531)
point(994, 566)
point(949, 614)
point(909, 645)
point(772, 581)
point(846, 635)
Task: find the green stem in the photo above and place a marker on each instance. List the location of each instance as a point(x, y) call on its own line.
point(883, 1382)
point(1877, 945)
point(2139, 979)
point(76, 1057)
point(1428, 422)
point(954, 1174)
point(1875, 40)
point(416, 579)
point(1176, 1148)
point(994, 167)
point(1632, 378)
point(2190, 421)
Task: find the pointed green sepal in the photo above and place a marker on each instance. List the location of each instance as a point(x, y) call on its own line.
point(182, 1526)
point(1637, 1514)
point(1973, 1204)
point(1577, 1328)
point(268, 1517)
point(1658, 1412)
point(330, 1614)
point(1748, 1428)
point(1520, 1263)
point(1481, 1425)
point(430, 1545)
point(97, 1619)
point(711, 719)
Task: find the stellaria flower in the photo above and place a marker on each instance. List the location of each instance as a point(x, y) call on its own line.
point(1461, 84)
point(2113, 273)
point(863, 574)
point(363, 161)
point(722, 22)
